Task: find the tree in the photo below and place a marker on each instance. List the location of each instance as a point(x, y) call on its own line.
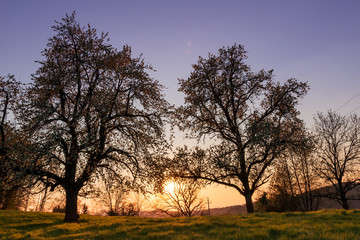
point(137, 200)
point(114, 192)
point(293, 183)
point(302, 167)
point(12, 145)
point(252, 117)
point(91, 105)
point(180, 198)
point(338, 152)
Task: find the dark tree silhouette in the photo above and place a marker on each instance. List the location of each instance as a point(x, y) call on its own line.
point(90, 105)
point(13, 145)
point(338, 153)
point(181, 199)
point(293, 183)
point(114, 191)
point(253, 118)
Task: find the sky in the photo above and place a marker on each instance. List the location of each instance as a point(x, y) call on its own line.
point(313, 41)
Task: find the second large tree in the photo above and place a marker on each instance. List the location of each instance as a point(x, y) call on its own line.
point(252, 117)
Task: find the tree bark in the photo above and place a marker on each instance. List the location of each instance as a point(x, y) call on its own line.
point(43, 200)
point(11, 200)
point(344, 202)
point(249, 203)
point(71, 213)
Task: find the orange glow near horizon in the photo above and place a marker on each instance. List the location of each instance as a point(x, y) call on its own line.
point(221, 196)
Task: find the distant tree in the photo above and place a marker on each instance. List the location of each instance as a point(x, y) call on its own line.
point(338, 153)
point(137, 199)
point(294, 182)
point(252, 117)
point(302, 167)
point(180, 198)
point(91, 105)
point(85, 209)
point(281, 191)
point(113, 192)
point(58, 209)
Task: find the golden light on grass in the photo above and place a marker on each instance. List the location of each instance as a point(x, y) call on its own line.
point(325, 224)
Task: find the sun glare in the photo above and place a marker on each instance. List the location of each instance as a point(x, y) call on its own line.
point(169, 187)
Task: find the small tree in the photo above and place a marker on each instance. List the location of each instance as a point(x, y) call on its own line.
point(85, 209)
point(293, 182)
point(91, 105)
point(253, 118)
point(338, 151)
point(137, 199)
point(114, 192)
point(306, 181)
point(180, 198)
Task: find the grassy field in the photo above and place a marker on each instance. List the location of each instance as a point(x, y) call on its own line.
point(331, 224)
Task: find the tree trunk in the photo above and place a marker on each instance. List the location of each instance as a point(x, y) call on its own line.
point(342, 193)
point(11, 199)
point(71, 213)
point(43, 200)
point(249, 203)
point(344, 202)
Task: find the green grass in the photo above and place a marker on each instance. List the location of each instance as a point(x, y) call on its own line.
point(330, 224)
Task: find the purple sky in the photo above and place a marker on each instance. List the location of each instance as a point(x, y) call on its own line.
point(314, 41)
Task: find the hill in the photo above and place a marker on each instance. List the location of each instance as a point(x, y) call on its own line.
point(329, 224)
point(230, 210)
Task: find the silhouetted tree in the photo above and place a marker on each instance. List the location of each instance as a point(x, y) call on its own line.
point(181, 199)
point(113, 192)
point(294, 182)
point(85, 209)
point(137, 199)
point(253, 118)
point(13, 146)
point(90, 105)
point(302, 166)
point(338, 152)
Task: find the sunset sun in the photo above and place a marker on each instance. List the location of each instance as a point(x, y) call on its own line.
point(169, 186)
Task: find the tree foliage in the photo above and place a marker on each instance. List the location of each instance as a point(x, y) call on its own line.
point(252, 117)
point(91, 105)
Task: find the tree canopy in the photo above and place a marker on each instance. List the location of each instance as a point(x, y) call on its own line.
point(90, 106)
point(252, 117)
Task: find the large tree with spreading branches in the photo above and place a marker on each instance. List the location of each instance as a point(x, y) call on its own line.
point(91, 106)
point(252, 117)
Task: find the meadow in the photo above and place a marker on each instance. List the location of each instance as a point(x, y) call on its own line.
point(327, 224)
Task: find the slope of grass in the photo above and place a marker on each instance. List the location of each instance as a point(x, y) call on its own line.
point(331, 224)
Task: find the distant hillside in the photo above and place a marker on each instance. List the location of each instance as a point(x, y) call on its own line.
point(326, 203)
point(231, 210)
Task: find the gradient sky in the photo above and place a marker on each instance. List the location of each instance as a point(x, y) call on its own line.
point(313, 41)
